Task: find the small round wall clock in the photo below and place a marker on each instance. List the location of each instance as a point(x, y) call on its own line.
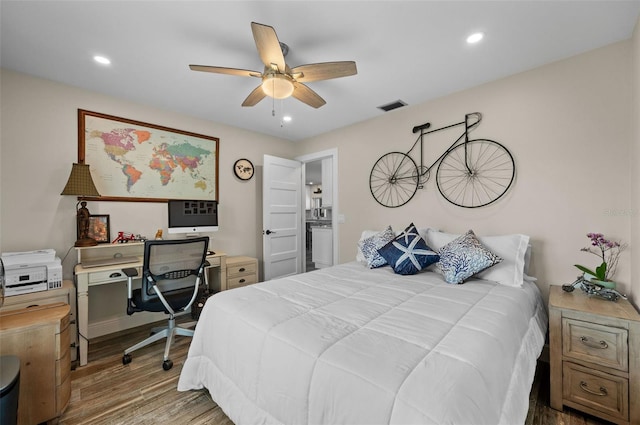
point(243, 169)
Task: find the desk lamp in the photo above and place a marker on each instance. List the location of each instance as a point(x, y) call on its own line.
point(81, 184)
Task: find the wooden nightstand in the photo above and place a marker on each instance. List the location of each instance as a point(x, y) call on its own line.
point(241, 271)
point(595, 355)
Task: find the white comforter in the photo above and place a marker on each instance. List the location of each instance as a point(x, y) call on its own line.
point(349, 345)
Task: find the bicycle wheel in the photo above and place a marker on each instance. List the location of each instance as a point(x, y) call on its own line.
point(489, 175)
point(394, 179)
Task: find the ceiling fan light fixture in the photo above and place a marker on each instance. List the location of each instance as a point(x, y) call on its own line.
point(475, 38)
point(277, 86)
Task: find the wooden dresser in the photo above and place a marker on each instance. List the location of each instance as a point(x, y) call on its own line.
point(66, 294)
point(595, 355)
point(39, 337)
point(241, 271)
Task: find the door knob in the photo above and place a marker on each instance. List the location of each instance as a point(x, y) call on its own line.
point(268, 232)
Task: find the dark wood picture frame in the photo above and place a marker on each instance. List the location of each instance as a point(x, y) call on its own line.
point(100, 228)
point(136, 127)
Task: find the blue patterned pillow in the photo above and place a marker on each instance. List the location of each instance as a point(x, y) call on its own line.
point(408, 253)
point(465, 256)
point(370, 245)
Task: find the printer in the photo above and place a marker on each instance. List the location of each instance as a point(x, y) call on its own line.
point(31, 271)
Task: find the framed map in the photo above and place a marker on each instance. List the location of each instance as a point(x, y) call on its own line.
point(136, 161)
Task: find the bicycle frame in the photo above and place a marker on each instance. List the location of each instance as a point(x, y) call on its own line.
point(467, 127)
point(470, 173)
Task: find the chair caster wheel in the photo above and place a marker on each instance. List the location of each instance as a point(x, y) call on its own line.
point(167, 364)
point(126, 359)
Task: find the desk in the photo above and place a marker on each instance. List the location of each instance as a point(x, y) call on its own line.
point(215, 278)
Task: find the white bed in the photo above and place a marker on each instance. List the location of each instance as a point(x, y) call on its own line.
point(353, 345)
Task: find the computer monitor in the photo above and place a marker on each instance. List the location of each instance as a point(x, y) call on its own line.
point(193, 216)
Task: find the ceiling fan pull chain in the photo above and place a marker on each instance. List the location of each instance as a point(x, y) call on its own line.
point(281, 113)
point(273, 99)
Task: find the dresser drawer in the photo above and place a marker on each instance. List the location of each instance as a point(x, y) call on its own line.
point(591, 342)
point(17, 303)
point(596, 390)
point(236, 282)
point(242, 269)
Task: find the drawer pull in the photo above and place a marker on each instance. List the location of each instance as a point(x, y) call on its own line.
point(586, 341)
point(116, 274)
point(241, 280)
point(602, 393)
point(242, 269)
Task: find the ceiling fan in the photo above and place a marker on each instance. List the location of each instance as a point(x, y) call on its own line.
point(278, 80)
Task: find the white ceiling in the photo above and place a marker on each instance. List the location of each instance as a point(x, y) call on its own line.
point(414, 50)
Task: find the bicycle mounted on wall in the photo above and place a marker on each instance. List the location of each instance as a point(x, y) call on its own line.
point(470, 174)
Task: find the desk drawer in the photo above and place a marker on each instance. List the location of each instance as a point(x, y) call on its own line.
point(597, 390)
point(214, 261)
point(108, 276)
point(594, 343)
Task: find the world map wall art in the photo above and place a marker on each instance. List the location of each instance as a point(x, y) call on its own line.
point(136, 161)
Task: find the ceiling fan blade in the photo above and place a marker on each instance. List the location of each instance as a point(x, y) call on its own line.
point(324, 71)
point(221, 70)
point(306, 95)
point(268, 45)
point(254, 97)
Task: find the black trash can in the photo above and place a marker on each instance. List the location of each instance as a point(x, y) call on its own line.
point(9, 389)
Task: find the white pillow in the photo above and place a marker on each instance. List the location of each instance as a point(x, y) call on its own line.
point(511, 248)
point(527, 259)
point(422, 231)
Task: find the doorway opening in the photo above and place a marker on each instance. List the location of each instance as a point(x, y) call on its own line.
point(320, 203)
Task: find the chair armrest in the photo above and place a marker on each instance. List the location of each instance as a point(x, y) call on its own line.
point(130, 271)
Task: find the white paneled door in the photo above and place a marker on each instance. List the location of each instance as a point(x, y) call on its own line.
point(282, 217)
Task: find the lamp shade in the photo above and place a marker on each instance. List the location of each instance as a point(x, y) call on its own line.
point(277, 86)
point(80, 182)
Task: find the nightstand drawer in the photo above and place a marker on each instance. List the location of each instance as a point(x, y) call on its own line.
point(242, 269)
point(596, 390)
point(237, 282)
point(591, 342)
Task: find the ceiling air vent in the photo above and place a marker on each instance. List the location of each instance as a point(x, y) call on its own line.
point(393, 105)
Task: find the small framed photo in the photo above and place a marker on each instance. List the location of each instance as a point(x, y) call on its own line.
point(99, 228)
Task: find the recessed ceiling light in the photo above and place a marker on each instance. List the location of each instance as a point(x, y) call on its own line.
point(102, 60)
point(474, 38)
point(286, 118)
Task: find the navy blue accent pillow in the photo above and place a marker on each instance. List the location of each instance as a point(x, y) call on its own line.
point(408, 253)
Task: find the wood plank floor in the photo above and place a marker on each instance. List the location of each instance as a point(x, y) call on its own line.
point(105, 392)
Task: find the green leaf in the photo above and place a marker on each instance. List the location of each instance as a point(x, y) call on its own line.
point(601, 271)
point(586, 270)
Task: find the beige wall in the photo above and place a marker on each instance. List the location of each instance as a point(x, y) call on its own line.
point(635, 168)
point(569, 127)
point(39, 143)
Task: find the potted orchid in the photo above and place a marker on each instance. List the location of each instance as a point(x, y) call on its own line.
point(609, 253)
